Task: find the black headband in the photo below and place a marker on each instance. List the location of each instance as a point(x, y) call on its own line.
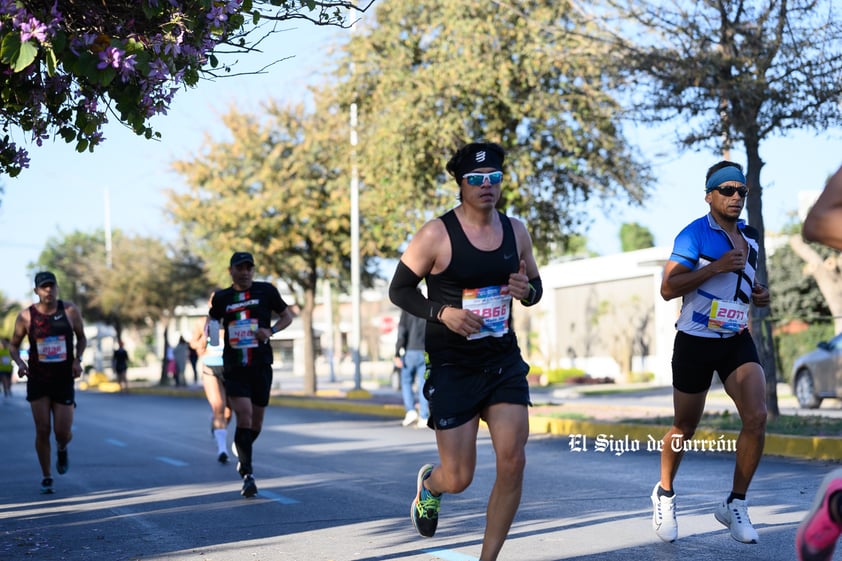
point(479, 157)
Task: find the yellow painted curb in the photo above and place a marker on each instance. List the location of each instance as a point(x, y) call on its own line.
point(807, 447)
point(811, 448)
point(375, 409)
point(109, 387)
point(358, 394)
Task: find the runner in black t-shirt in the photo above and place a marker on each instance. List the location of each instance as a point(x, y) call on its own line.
point(245, 311)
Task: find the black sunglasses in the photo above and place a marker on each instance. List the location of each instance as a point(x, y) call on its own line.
point(729, 191)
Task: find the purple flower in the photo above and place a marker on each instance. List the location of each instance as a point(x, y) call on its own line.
point(217, 14)
point(33, 28)
point(111, 56)
point(158, 70)
point(89, 105)
point(21, 157)
point(9, 7)
point(127, 67)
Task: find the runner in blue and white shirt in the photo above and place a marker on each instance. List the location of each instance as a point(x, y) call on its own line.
point(712, 267)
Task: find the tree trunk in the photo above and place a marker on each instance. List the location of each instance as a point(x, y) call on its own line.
point(760, 325)
point(164, 374)
point(309, 346)
point(828, 275)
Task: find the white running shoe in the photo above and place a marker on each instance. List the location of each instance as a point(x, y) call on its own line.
point(734, 516)
point(422, 422)
point(663, 516)
point(411, 417)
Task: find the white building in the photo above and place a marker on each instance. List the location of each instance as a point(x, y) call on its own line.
point(597, 309)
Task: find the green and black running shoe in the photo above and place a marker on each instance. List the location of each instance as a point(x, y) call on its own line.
point(425, 507)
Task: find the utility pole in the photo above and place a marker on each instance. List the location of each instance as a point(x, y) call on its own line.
point(355, 253)
point(108, 261)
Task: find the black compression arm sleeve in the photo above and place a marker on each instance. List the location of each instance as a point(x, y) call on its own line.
point(536, 290)
point(404, 293)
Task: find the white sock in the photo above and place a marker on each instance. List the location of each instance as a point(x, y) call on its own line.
point(221, 436)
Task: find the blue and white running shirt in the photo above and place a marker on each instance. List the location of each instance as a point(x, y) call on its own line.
point(719, 307)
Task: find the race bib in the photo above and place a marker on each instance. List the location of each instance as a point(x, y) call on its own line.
point(51, 349)
point(241, 334)
point(728, 317)
point(492, 304)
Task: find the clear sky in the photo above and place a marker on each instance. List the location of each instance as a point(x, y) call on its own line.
point(63, 191)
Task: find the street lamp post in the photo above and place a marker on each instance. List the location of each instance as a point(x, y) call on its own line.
point(355, 253)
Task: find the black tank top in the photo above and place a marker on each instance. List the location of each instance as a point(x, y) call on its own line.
point(472, 268)
point(50, 343)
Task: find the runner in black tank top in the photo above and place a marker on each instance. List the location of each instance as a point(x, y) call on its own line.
point(56, 342)
point(51, 345)
point(471, 268)
point(476, 262)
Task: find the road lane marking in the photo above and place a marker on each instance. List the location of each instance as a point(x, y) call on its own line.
point(172, 461)
point(277, 498)
point(448, 554)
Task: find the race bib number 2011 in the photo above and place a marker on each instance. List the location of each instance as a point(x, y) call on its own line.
point(728, 317)
point(493, 304)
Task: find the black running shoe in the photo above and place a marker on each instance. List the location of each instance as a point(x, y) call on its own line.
point(249, 486)
point(47, 486)
point(222, 458)
point(424, 511)
point(62, 464)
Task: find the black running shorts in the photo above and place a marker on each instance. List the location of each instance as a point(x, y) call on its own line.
point(254, 382)
point(215, 371)
point(695, 359)
point(62, 391)
point(457, 394)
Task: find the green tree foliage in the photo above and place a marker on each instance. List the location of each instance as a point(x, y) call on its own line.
point(824, 265)
point(733, 72)
point(278, 187)
point(634, 236)
point(8, 313)
point(796, 298)
point(146, 281)
point(795, 294)
point(431, 75)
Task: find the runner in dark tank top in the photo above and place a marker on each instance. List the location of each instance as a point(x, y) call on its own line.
point(476, 262)
point(57, 340)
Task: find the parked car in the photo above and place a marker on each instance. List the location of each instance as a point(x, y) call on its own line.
point(818, 374)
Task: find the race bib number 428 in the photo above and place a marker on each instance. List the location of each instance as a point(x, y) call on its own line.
point(241, 334)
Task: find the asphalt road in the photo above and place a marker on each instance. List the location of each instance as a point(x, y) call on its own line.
point(144, 485)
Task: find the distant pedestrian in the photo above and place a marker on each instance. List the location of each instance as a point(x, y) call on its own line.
point(712, 268)
point(245, 311)
point(412, 360)
point(193, 357)
point(181, 354)
point(120, 364)
point(819, 531)
point(56, 343)
point(6, 368)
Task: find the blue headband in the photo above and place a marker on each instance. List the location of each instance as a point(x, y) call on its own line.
point(720, 176)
